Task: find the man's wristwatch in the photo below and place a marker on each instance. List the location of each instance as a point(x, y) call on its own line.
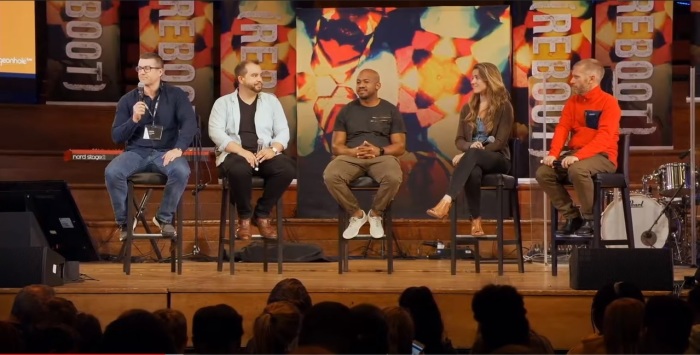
point(381, 151)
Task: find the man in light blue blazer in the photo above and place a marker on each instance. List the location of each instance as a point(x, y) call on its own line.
point(250, 131)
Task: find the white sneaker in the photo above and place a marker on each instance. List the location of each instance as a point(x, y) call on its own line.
point(354, 226)
point(376, 230)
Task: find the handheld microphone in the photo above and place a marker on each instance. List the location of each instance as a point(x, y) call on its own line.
point(684, 154)
point(140, 88)
point(260, 147)
point(488, 140)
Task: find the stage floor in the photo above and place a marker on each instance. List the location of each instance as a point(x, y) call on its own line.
point(554, 309)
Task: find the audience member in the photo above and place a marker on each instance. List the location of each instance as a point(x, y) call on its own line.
point(326, 328)
point(275, 331)
point(595, 343)
point(29, 306)
point(291, 290)
point(667, 323)
point(694, 303)
point(429, 329)
point(217, 330)
point(623, 320)
point(371, 330)
point(175, 324)
point(503, 325)
point(90, 331)
point(137, 331)
point(11, 339)
point(401, 330)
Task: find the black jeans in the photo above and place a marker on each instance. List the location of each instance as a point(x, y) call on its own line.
point(468, 172)
point(278, 173)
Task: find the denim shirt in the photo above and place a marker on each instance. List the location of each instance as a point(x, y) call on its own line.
point(224, 122)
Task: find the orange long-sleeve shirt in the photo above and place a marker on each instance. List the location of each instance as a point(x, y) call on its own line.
point(588, 141)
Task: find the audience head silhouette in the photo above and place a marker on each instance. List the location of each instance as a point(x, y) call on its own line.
point(137, 331)
point(217, 330)
point(606, 295)
point(327, 325)
point(275, 330)
point(291, 290)
point(371, 330)
point(426, 316)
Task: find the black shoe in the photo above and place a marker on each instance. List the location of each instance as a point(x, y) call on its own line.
point(571, 225)
point(586, 229)
point(122, 232)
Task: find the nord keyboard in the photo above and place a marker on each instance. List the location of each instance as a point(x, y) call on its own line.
point(109, 154)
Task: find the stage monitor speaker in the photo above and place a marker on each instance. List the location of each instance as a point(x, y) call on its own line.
point(22, 266)
point(20, 229)
point(649, 269)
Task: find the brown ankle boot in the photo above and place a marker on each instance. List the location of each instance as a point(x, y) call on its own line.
point(440, 210)
point(477, 230)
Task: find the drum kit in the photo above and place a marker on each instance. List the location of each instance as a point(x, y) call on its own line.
point(658, 222)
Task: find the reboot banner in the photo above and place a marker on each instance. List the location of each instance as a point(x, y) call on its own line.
point(424, 57)
point(182, 33)
point(83, 52)
point(263, 31)
point(634, 39)
point(549, 37)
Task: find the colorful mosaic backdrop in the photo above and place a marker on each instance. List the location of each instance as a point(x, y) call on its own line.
point(266, 31)
point(634, 38)
point(425, 58)
point(83, 52)
point(549, 37)
point(182, 33)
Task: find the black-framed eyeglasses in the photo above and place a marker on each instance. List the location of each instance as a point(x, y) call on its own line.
point(146, 69)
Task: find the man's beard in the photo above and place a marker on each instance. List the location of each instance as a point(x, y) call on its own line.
point(253, 88)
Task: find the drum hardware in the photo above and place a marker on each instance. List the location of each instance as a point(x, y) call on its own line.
point(673, 176)
point(648, 237)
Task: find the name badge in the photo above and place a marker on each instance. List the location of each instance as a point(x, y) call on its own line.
point(154, 132)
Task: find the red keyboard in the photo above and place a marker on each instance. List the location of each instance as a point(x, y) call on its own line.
point(109, 154)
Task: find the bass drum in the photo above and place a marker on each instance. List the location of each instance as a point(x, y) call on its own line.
point(644, 212)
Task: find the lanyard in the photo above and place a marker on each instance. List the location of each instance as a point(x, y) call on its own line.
point(155, 109)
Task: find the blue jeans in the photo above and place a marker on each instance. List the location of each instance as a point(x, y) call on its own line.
point(129, 163)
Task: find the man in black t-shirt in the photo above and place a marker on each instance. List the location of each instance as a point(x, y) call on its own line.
point(368, 136)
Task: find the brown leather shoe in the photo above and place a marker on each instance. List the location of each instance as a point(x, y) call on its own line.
point(440, 210)
point(265, 227)
point(243, 232)
point(477, 230)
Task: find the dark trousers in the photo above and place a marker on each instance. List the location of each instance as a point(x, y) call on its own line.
point(278, 173)
point(468, 172)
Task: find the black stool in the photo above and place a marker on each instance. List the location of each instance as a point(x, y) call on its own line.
point(500, 183)
point(230, 206)
point(364, 183)
point(617, 180)
point(150, 180)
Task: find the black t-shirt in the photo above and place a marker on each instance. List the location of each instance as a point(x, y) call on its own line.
point(372, 124)
point(246, 129)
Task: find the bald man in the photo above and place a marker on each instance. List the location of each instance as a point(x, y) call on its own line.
point(592, 117)
point(368, 137)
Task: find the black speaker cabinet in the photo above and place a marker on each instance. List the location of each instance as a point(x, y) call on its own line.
point(22, 266)
point(20, 229)
point(649, 269)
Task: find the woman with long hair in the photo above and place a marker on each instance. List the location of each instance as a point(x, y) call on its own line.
point(485, 125)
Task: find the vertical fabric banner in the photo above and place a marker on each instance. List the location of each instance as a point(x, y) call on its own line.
point(83, 52)
point(182, 33)
point(695, 41)
point(263, 31)
point(549, 37)
point(634, 39)
point(425, 58)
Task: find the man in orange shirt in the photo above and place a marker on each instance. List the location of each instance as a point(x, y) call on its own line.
point(592, 117)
